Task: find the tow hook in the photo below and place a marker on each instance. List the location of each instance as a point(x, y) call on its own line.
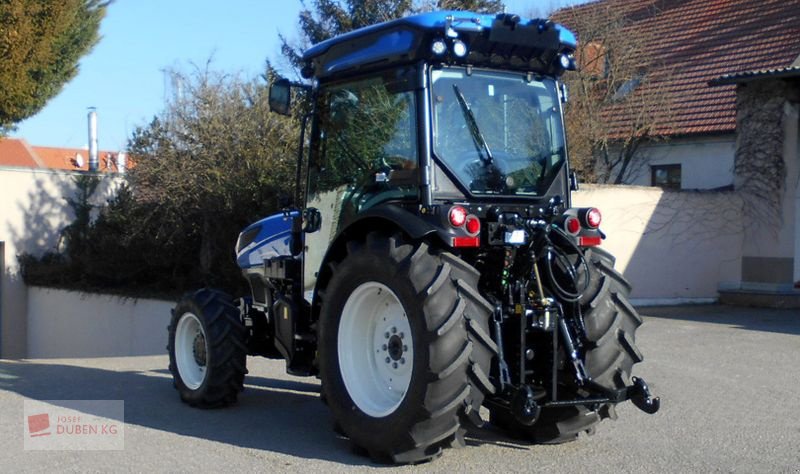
point(639, 394)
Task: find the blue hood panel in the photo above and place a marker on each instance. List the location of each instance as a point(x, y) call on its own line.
point(268, 238)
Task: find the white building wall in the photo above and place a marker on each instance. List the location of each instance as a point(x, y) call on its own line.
point(706, 162)
point(72, 324)
point(33, 211)
point(673, 246)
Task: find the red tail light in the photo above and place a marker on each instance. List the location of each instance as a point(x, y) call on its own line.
point(466, 242)
point(473, 224)
point(591, 241)
point(572, 225)
point(458, 215)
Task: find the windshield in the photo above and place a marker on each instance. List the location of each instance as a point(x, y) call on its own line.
point(497, 132)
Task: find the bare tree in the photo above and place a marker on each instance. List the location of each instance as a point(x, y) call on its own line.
point(618, 99)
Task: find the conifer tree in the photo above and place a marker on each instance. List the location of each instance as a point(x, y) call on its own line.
point(40, 45)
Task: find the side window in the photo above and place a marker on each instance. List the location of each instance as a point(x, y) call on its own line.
point(367, 149)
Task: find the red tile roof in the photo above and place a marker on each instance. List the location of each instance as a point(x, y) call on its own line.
point(748, 76)
point(697, 41)
point(16, 152)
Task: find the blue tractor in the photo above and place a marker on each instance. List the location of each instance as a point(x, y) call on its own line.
point(432, 264)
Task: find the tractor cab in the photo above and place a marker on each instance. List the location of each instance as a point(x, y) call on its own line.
point(425, 113)
point(441, 107)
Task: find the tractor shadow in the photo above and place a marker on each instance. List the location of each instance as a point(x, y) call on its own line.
point(278, 415)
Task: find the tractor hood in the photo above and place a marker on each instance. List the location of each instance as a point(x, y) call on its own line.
point(268, 238)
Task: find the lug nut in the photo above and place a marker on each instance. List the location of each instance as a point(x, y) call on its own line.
point(386, 335)
point(402, 360)
point(394, 330)
point(405, 348)
point(385, 347)
point(402, 335)
point(394, 365)
point(529, 354)
point(388, 360)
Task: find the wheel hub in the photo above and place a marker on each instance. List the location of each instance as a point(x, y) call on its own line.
point(199, 349)
point(395, 347)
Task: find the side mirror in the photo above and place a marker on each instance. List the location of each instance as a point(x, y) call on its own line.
point(280, 97)
point(312, 220)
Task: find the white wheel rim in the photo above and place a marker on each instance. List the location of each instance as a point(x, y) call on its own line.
point(191, 351)
point(376, 350)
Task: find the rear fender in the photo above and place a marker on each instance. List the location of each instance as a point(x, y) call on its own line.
point(388, 218)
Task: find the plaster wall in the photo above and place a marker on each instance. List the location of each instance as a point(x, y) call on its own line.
point(33, 212)
point(706, 162)
point(672, 246)
point(67, 324)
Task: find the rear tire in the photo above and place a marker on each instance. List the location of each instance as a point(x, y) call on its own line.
point(207, 352)
point(611, 324)
point(399, 397)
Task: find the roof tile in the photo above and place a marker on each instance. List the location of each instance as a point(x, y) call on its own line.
point(696, 41)
point(16, 152)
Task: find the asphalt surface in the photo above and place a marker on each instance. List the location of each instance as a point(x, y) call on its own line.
point(728, 379)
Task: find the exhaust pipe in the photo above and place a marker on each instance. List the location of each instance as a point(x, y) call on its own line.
point(93, 160)
point(122, 161)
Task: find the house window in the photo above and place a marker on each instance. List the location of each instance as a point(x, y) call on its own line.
point(666, 176)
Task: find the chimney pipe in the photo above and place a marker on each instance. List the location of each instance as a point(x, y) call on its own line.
point(122, 161)
point(93, 161)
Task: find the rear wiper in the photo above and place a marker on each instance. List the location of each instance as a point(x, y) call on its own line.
point(477, 137)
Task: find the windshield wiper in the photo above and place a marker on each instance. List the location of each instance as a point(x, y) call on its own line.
point(477, 137)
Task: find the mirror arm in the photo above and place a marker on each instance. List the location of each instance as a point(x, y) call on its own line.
point(300, 149)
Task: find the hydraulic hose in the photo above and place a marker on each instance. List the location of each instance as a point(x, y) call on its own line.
point(555, 255)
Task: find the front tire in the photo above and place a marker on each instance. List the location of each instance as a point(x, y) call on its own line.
point(207, 352)
point(404, 347)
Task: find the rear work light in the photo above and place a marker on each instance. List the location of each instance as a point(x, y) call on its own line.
point(593, 218)
point(458, 216)
point(438, 47)
point(459, 48)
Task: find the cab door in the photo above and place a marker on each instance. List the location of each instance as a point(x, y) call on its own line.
point(363, 153)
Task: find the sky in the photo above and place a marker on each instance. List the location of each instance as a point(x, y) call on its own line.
point(123, 77)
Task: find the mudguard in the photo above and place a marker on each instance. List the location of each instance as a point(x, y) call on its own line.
point(412, 224)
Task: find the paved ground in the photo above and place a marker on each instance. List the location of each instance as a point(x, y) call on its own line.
point(728, 378)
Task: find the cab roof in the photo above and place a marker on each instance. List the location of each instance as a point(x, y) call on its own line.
point(502, 41)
